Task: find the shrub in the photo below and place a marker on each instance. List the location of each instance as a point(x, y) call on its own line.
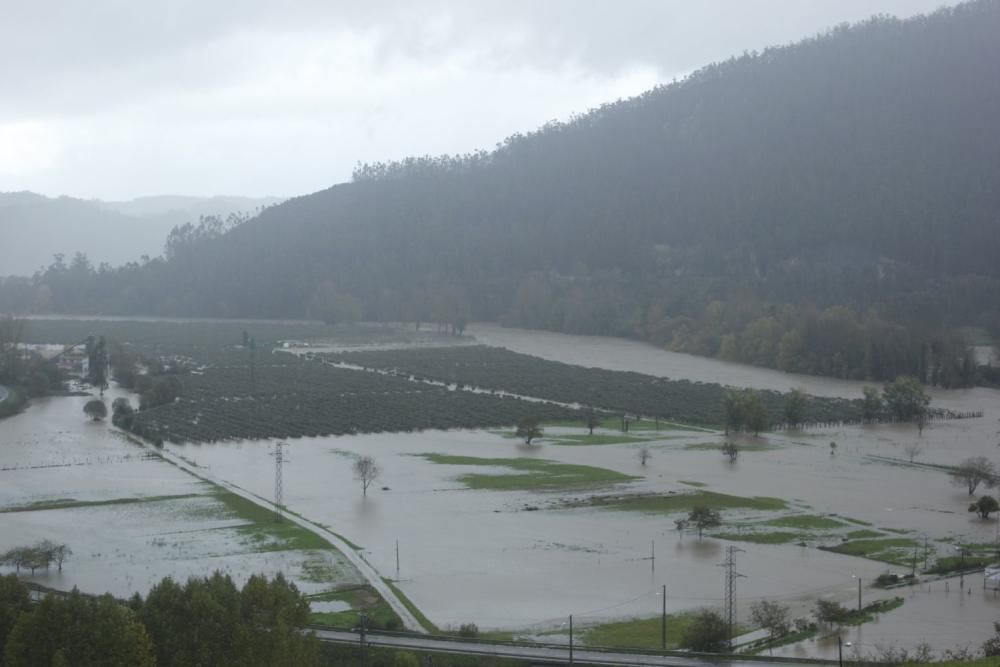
point(468, 630)
point(708, 632)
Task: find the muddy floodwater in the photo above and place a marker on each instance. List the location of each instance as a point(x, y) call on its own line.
point(129, 519)
point(512, 559)
point(478, 556)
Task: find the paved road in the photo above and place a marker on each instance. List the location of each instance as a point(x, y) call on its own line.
point(367, 571)
point(548, 653)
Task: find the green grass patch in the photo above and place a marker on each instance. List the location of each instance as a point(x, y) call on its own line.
point(531, 475)
point(863, 534)
point(683, 502)
point(638, 632)
point(321, 571)
point(596, 439)
point(806, 521)
point(413, 609)
point(775, 537)
point(947, 564)
point(71, 503)
point(363, 599)
point(870, 612)
point(263, 532)
point(894, 550)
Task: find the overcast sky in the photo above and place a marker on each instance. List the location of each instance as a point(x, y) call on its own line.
point(122, 98)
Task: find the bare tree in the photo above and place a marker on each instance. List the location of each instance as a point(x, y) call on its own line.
point(731, 450)
point(366, 471)
point(913, 450)
point(972, 472)
point(644, 455)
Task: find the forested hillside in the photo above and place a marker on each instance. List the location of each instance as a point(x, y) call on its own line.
point(831, 206)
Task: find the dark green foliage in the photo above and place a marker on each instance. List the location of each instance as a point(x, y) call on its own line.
point(825, 207)
point(795, 407)
point(298, 397)
point(744, 410)
point(122, 413)
point(13, 600)
point(702, 517)
point(831, 612)
point(984, 506)
point(27, 372)
point(872, 403)
point(708, 632)
point(157, 390)
point(991, 647)
point(212, 622)
point(79, 630)
point(528, 429)
point(905, 398)
point(634, 393)
point(95, 409)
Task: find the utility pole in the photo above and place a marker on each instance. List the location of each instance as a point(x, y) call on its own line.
point(731, 576)
point(364, 644)
point(840, 651)
point(652, 554)
point(571, 639)
point(279, 460)
point(859, 594)
point(663, 621)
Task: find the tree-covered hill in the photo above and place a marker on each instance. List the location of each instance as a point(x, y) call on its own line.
point(831, 206)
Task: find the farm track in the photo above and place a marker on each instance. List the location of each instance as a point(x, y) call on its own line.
point(357, 560)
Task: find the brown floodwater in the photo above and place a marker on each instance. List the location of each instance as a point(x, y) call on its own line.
point(477, 556)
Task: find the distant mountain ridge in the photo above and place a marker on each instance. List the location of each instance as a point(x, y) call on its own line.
point(34, 227)
point(830, 207)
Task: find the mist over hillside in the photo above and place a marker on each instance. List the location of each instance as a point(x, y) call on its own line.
point(828, 207)
point(34, 227)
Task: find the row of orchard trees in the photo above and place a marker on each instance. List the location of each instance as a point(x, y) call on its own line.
point(905, 400)
point(39, 555)
point(207, 621)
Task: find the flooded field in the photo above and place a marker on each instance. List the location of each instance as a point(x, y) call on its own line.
point(512, 537)
point(478, 555)
point(130, 519)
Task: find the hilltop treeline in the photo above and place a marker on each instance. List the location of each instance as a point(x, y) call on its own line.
point(825, 207)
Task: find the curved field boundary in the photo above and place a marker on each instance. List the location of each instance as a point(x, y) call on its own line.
point(370, 574)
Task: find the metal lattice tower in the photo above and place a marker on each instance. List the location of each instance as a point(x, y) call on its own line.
point(731, 576)
point(279, 460)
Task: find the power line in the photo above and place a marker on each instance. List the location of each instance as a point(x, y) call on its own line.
point(279, 460)
point(731, 576)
